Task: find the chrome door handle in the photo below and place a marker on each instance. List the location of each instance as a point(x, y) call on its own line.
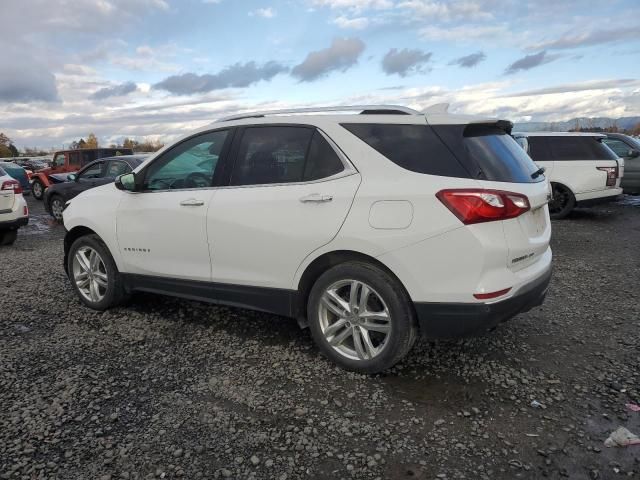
point(316, 198)
point(192, 202)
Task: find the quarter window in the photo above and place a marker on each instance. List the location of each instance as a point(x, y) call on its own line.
point(322, 161)
point(579, 148)
point(191, 164)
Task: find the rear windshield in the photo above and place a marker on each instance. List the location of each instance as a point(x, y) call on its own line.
point(568, 148)
point(488, 152)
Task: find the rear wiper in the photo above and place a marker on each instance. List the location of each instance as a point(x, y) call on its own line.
point(538, 172)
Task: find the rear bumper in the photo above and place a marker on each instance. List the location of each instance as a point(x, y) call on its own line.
point(14, 224)
point(450, 320)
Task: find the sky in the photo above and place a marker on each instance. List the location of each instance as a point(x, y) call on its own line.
point(158, 69)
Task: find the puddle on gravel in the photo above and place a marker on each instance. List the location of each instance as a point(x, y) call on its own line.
point(39, 224)
point(451, 392)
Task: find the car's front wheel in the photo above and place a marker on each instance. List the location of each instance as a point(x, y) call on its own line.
point(93, 273)
point(37, 188)
point(361, 317)
point(56, 207)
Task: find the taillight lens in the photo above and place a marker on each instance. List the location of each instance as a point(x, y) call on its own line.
point(11, 185)
point(480, 205)
point(612, 175)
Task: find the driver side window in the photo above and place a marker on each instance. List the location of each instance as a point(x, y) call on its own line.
point(91, 172)
point(189, 165)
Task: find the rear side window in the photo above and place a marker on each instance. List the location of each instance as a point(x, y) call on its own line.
point(279, 154)
point(565, 148)
point(539, 149)
point(413, 147)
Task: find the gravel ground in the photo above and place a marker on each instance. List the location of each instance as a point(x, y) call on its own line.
point(166, 388)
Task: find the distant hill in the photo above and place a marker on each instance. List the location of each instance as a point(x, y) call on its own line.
point(623, 123)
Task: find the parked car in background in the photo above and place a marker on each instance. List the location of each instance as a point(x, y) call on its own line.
point(92, 175)
point(366, 227)
point(70, 161)
point(14, 212)
point(32, 164)
point(628, 148)
point(582, 170)
point(18, 173)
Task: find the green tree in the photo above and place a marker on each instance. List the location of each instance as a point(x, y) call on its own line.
point(4, 140)
point(5, 152)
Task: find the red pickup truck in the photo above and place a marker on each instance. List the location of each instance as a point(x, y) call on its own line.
point(67, 161)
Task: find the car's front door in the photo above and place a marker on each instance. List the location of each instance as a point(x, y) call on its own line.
point(289, 192)
point(162, 228)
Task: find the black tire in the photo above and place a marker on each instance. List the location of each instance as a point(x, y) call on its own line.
point(37, 189)
point(8, 237)
point(56, 200)
point(563, 201)
point(404, 329)
point(114, 294)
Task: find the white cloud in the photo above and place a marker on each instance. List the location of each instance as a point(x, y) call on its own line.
point(357, 23)
point(354, 5)
point(464, 33)
point(263, 12)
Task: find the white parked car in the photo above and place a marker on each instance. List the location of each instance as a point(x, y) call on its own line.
point(366, 227)
point(582, 170)
point(14, 212)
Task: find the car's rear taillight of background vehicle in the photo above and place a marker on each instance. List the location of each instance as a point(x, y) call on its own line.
point(612, 175)
point(476, 205)
point(11, 185)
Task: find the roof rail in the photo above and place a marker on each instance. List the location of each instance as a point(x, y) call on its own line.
point(390, 109)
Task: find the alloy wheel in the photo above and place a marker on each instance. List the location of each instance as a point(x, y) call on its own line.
point(57, 208)
point(37, 189)
point(90, 274)
point(560, 199)
point(354, 319)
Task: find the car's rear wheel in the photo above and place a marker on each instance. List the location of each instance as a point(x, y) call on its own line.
point(56, 207)
point(8, 237)
point(562, 203)
point(361, 317)
point(37, 188)
point(93, 274)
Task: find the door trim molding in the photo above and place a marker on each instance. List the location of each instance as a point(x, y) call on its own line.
point(278, 301)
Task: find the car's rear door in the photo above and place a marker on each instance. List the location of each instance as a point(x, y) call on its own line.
point(289, 192)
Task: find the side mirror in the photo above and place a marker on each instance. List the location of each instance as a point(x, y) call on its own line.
point(72, 177)
point(633, 153)
point(126, 182)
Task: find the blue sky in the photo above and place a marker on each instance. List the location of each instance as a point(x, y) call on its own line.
point(160, 68)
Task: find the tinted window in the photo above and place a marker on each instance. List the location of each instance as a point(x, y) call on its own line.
point(539, 149)
point(618, 146)
point(190, 164)
point(93, 171)
point(271, 155)
point(413, 147)
point(322, 161)
point(115, 168)
point(578, 148)
point(88, 156)
point(74, 159)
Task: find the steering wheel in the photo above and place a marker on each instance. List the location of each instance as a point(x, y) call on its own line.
point(197, 180)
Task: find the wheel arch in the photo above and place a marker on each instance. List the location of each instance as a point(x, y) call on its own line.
point(71, 236)
point(320, 265)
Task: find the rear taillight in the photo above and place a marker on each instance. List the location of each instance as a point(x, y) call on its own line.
point(475, 205)
point(11, 185)
point(612, 175)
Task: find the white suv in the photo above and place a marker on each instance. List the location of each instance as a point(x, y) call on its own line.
point(14, 212)
point(582, 169)
point(365, 227)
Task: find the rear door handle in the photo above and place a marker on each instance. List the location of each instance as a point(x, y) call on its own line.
point(316, 198)
point(192, 202)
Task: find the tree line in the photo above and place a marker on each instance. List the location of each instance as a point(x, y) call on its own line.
point(8, 149)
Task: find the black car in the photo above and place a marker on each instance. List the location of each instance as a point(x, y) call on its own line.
point(94, 174)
